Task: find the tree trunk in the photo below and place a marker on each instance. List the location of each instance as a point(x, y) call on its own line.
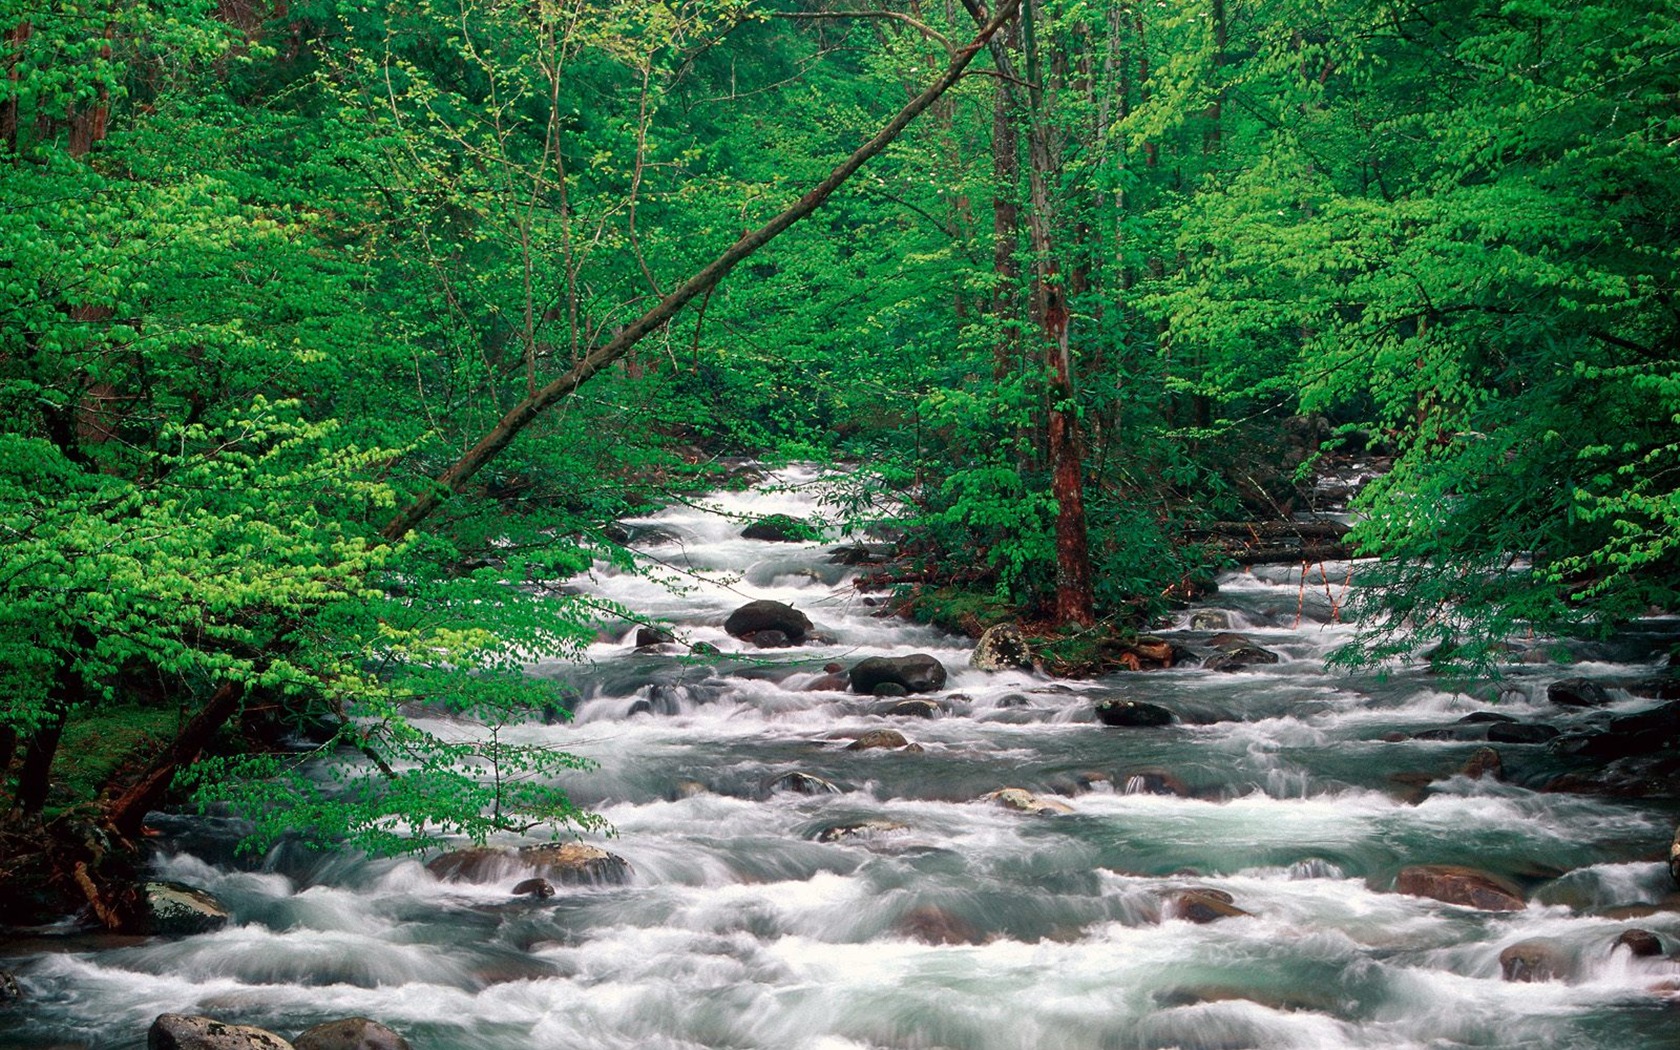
point(15, 40)
point(125, 813)
point(521, 415)
point(1006, 218)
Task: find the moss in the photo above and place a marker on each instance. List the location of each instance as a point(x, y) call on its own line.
point(100, 742)
point(957, 610)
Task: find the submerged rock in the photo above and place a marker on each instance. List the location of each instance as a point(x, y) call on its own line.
point(646, 636)
point(568, 863)
point(538, 888)
point(1132, 713)
point(10, 990)
point(934, 925)
point(1485, 762)
point(1023, 801)
point(1002, 648)
point(1641, 944)
point(1235, 652)
point(1202, 905)
point(352, 1033)
point(802, 784)
point(1577, 692)
point(1674, 858)
point(1535, 960)
point(175, 910)
point(192, 1032)
point(1467, 887)
point(765, 615)
point(917, 673)
point(862, 829)
point(878, 738)
point(913, 709)
point(770, 638)
point(1155, 782)
point(1520, 732)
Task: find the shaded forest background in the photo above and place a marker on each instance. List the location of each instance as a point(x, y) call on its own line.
point(271, 273)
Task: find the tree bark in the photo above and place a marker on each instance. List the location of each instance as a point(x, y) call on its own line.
point(521, 415)
point(125, 813)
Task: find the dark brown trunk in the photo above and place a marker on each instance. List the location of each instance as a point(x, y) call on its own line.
point(1006, 218)
point(1075, 600)
point(16, 37)
point(35, 774)
point(126, 812)
point(455, 478)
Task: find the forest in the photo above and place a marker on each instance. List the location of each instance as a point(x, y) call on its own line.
point(331, 330)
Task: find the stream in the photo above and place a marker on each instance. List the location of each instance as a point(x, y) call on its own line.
point(952, 921)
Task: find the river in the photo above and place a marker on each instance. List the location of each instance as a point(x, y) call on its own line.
point(956, 922)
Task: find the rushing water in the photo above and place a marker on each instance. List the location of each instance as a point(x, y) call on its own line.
point(972, 927)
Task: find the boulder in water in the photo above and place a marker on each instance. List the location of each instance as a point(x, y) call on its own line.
point(1520, 732)
point(577, 863)
point(917, 673)
point(765, 615)
point(862, 829)
point(351, 1033)
point(646, 636)
point(1023, 801)
point(1674, 858)
point(1132, 713)
point(10, 990)
point(878, 738)
point(1467, 887)
point(705, 649)
point(192, 1032)
point(934, 925)
point(913, 709)
point(1235, 652)
point(174, 910)
point(1210, 620)
point(1202, 905)
point(1155, 782)
point(889, 689)
point(779, 528)
point(541, 889)
point(802, 784)
point(829, 683)
point(1485, 762)
point(1577, 692)
point(1002, 648)
point(1535, 960)
point(1641, 944)
point(770, 638)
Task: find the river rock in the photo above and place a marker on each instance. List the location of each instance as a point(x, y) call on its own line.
point(766, 615)
point(802, 784)
point(1577, 692)
point(1155, 782)
point(1534, 960)
point(829, 683)
point(351, 1033)
point(705, 649)
point(1645, 732)
point(770, 638)
point(1487, 716)
point(890, 689)
point(577, 863)
point(174, 910)
point(1674, 858)
point(541, 889)
point(191, 1032)
point(1132, 713)
point(1002, 648)
point(917, 673)
point(913, 709)
point(934, 925)
point(1235, 652)
point(1463, 886)
point(1641, 944)
point(1210, 620)
point(1023, 801)
point(878, 738)
point(1520, 732)
point(1202, 905)
point(862, 829)
point(646, 636)
point(10, 990)
point(1484, 762)
point(778, 528)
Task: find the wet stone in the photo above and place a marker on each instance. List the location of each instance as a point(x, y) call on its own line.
point(934, 925)
point(913, 709)
point(1132, 714)
point(1521, 733)
point(1577, 692)
point(917, 673)
point(771, 639)
point(1002, 648)
point(175, 910)
point(10, 990)
point(351, 1033)
point(1024, 801)
point(1155, 782)
point(1486, 716)
point(1641, 944)
point(764, 615)
point(802, 784)
point(192, 1032)
point(1467, 887)
point(889, 689)
point(1534, 961)
point(646, 636)
point(1485, 762)
point(878, 738)
point(859, 830)
point(538, 888)
point(1202, 905)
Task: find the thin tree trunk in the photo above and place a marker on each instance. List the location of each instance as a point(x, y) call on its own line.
point(1006, 218)
point(127, 811)
point(16, 37)
point(521, 415)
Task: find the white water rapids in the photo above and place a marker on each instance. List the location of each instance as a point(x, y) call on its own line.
point(739, 929)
